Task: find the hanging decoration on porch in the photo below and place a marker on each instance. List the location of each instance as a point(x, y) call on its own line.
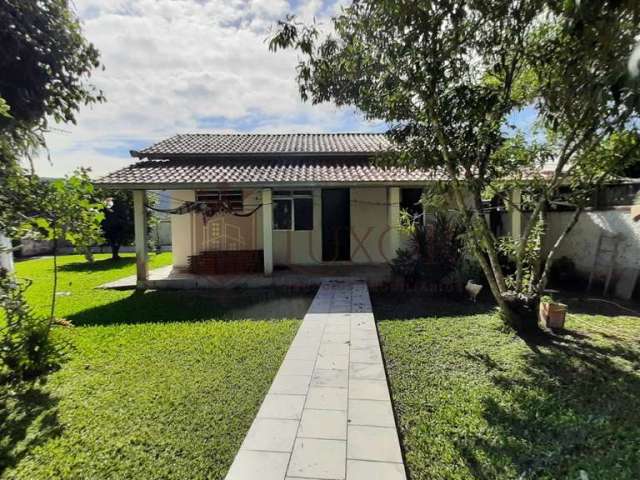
point(207, 210)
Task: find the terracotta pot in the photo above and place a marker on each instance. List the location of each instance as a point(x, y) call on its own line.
point(553, 314)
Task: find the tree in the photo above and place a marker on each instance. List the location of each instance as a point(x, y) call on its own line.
point(44, 64)
point(447, 75)
point(71, 213)
point(117, 226)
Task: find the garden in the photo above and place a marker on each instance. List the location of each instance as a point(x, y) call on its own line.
point(475, 401)
point(152, 385)
point(166, 384)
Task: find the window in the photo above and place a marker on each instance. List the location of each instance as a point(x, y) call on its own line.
point(411, 201)
point(221, 199)
point(292, 210)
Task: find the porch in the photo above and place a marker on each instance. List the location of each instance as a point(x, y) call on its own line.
point(295, 276)
point(275, 237)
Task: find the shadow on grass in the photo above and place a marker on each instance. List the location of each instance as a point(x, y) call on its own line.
point(97, 265)
point(594, 305)
point(410, 305)
point(197, 305)
point(28, 418)
point(575, 406)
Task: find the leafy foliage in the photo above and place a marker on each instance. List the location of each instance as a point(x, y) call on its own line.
point(26, 351)
point(44, 64)
point(71, 212)
point(44, 57)
point(117, 226)
point(435, 248)
point(447, 76)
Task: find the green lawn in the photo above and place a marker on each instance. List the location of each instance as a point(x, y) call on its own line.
point(475, 402)
point(156, 385)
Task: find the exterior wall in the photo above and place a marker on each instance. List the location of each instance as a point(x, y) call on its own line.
point(301, 247)
point(370, 233)
point(229, 232)
point(190, 234)
point(182, 229)
point(581, 243)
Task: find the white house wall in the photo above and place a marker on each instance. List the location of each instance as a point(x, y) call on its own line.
point(181, 229)
point(230, 232)
point(370, 234)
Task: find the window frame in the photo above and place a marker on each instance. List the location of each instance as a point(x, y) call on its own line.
point(291, 196)
point(216, 198)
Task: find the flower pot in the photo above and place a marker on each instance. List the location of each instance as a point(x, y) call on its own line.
point(553, 314)
point(635, 213)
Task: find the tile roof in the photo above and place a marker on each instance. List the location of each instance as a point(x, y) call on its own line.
point(263, 171)
point(268, 144)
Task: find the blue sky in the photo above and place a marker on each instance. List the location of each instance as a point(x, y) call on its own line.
point(177, 66)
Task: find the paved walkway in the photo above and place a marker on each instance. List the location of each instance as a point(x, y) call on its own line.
point(328, 413)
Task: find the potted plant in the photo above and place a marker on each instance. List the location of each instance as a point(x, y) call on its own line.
point(552, 313)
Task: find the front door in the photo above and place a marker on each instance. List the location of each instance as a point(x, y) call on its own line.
point(336, 222)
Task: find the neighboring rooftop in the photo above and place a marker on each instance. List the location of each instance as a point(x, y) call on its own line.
point(214, 144)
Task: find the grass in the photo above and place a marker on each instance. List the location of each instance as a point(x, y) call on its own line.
point(77, 280)
point(155, 385)
point(475, 402)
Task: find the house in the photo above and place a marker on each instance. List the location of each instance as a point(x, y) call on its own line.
point(273, 200)
point(259, 202)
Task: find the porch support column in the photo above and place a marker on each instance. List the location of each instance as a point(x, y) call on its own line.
point(393, 220)
point(140, 228)
point(267, 230)
point(516, 214)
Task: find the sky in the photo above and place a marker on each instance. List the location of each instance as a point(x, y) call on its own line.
point(188, 66)
point(182, 66)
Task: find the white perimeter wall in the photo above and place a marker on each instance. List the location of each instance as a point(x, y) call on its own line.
point(581, 244)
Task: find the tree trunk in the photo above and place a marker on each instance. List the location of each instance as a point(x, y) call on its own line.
point(115, 249)
point(520, 312)
point(54, 288)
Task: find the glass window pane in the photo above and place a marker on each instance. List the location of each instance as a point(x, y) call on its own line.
point(282, 214)
point(304, 213)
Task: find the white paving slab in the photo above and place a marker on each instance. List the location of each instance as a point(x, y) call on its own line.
point(328, 412)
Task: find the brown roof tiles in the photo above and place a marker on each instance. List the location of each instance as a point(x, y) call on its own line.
point(285, 144)
point(303, 171)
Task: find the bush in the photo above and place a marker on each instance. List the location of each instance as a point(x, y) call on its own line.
point(563, 272)
point(434, 252)
point(26, 349)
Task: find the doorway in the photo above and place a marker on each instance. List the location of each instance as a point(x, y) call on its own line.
point(336, 223)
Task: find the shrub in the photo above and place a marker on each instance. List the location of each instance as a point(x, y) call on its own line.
point(434, 250)
point(26, 349)
point(563, 272)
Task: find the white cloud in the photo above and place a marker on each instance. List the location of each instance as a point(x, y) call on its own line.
point(176, 66)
